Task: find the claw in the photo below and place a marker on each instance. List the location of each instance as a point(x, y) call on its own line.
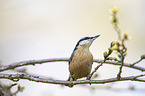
point(89, 77)
point(71, 83)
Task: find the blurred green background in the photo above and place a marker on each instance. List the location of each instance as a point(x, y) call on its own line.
point(39, 29)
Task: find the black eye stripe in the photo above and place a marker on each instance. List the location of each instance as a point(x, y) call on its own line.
point(85, 38)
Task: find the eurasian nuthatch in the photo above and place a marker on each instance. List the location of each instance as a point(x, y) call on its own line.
point(81, 60)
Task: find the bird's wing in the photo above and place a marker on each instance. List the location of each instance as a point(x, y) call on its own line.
point(70, 59)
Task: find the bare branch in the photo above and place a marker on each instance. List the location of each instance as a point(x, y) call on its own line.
point(33, 62)
point(17, 77)
point(30, 62)
point(125, 65)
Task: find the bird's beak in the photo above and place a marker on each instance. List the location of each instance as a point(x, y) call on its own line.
point(95, 37)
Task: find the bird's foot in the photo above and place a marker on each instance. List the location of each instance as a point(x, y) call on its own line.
point(88, 78)
point(71, 82)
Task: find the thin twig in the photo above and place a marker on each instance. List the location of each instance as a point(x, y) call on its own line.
point(115, 26)
point(136, 62)
point(120, 51)
point(96, 69)
point(123, 50)
point(122, 64)
point(105, 58)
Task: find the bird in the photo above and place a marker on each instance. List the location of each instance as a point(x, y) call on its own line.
point(81, 60)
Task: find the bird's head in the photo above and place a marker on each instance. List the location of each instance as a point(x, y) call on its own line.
point(86, 41)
